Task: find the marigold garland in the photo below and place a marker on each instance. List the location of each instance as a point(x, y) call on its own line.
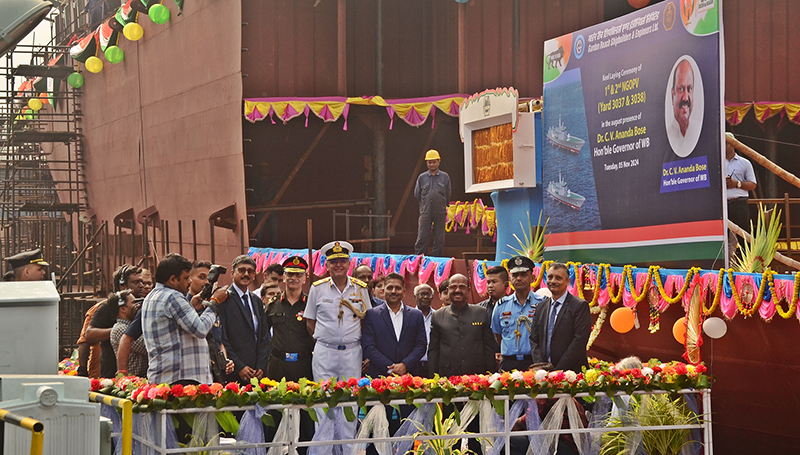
point(717, 295)
point(748, 312)
point(793, 304)
point(638, 298)
point(620, 287)
point(673, 300)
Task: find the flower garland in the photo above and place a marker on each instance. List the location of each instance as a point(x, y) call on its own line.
point(749, 310)
point(615, 299)
point(598, 325)
point(601, 376)
point(673, 300)
point(717, 295)
point(793, 304)
point(638, 298)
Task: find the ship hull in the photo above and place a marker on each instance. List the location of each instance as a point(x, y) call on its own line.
point(574, 147)
point(575, 204)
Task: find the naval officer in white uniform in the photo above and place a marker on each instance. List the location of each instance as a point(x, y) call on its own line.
point(336, 305)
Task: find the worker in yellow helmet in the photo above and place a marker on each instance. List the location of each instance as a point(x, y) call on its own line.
point(433, 193)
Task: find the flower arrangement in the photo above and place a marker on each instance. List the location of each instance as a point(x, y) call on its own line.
point(601, 377)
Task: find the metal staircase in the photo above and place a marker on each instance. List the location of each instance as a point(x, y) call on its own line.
point(43, 199)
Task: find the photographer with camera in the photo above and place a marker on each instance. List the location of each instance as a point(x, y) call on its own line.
point(175, 335)
point(202, 279)
point(244, 325)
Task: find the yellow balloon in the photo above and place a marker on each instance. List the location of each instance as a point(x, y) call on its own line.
point(94, 65)
point(35, 104)
point(133, 31)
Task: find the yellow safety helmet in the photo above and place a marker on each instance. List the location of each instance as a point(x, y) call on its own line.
point(432, 155)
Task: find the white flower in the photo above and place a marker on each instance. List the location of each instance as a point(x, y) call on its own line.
point(106, 383)
point(571, 376)
point(517, 376)
point(540, 375)
point(494, 377)
point(647, 371)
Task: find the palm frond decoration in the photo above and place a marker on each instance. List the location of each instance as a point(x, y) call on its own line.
point(535, 239)
point(650, 410)
point(757, 254)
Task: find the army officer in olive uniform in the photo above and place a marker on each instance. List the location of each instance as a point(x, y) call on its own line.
point(461, 335)
point(291, 343)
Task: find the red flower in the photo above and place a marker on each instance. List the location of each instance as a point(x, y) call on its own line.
point(352, 382)
point(408, 380)
point(455, 380)
point(379, 385)
point(657, 369)
point(204, 388)
point(681, 368)
point(95, 385)
point(232, 386)
point(176, 390)
point(341, 385)
point(248, 388)
point(637, 373)
point(700, 368)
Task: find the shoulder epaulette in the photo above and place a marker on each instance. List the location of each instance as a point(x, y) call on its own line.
point(358, 282)
point(324, 280)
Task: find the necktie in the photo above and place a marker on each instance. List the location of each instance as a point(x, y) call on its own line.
point(249, 306)
point(550, 326)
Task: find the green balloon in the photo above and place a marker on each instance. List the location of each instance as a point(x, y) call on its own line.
point(159, 14)
point(114, 54)
point(75, 80)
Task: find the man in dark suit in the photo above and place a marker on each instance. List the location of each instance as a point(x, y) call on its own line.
point(561, 325)
point(244, 324)
point(461, 335)
point(393, 336)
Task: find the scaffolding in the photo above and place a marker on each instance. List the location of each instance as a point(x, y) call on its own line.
point(43, 200)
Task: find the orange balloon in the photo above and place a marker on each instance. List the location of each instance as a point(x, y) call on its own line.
point(622, 320)
point(638, 3)
point(679, 330)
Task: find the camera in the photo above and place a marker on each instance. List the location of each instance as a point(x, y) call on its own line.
point(213, 275)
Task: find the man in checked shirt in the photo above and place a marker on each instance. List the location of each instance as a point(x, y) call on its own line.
point(174, 333)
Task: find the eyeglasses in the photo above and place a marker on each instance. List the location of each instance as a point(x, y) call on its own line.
point(454, 287)
point(338, 261)
point(246, 271)
point(425, 295)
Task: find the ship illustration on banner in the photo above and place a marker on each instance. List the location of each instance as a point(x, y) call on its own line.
point(560, 137)
point(559, 191)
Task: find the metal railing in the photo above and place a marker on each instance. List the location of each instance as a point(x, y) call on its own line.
point(159, 444)
point(34, 426)
point(787, 242)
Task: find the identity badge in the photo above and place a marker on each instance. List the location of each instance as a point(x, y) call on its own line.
point(291, 357)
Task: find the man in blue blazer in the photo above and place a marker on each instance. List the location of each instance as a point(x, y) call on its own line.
point(393, 336)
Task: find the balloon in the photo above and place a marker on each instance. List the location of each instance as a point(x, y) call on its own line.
point(679, 330)
point(159, 14)
point(75, 80)
point(715, 328)
point(545, 292)
point(114, 54)
point(638, 3)
point(622, 320)
point(94, 64)
point(35, 104)
point(133, 31)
